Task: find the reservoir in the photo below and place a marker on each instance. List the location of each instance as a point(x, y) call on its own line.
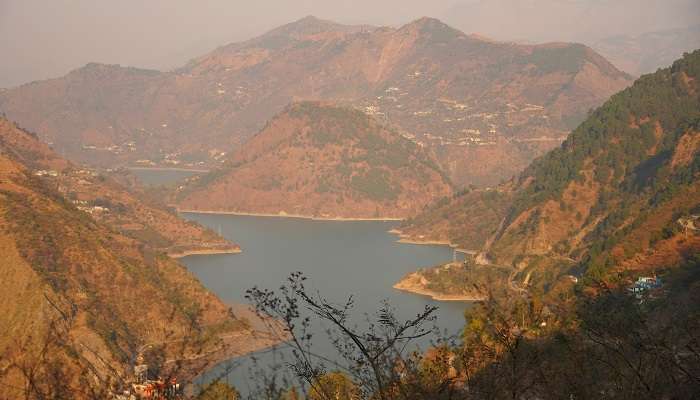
point(340, 259)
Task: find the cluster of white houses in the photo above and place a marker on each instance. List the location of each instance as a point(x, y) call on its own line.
point(450, 117)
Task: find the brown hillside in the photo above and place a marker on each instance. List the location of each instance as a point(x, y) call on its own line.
point(325, 161)
point(107, 201)
point(79, 300)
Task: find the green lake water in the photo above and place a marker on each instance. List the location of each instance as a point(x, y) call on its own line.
point(340, 259)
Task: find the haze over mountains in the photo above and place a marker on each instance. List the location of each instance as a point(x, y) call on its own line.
point(646, 52)
point(468, 98)
point(582, 21)
point(637, 36)
point(164, 35)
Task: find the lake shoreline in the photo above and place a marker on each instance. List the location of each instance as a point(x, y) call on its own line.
point(284, 215)
point(439, 296)
point(415, 283)
point(234, 345)
point(408, 240)
point(204, 252)
point(202, 171)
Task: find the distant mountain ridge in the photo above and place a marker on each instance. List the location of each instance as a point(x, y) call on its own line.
point(486, 108)
point(296, 31)
point(325, 161)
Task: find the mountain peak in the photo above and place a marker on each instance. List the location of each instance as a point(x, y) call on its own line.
point(97, 68)
point(427, 20)
point(433, 28)
point(310, 19)
point(309, 25)
point(428, 23)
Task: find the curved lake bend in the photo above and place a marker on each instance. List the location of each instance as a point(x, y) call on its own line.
point(358, 258)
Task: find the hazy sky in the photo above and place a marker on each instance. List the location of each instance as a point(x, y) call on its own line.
point(47, 38)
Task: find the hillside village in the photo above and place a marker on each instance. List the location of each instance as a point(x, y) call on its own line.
point(457, 124)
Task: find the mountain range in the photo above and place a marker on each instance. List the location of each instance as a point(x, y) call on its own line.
point(486, 108)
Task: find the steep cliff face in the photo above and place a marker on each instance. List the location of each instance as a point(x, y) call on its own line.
point(486, 108)
point(621, 193)
point(107, 201)
point(322, 160)
point(79, 300)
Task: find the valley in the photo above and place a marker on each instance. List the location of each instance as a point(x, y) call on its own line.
point(352, 211)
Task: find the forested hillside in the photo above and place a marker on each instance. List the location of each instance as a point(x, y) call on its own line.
point(620, 194)
point(590, 272)
point(465, 220)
